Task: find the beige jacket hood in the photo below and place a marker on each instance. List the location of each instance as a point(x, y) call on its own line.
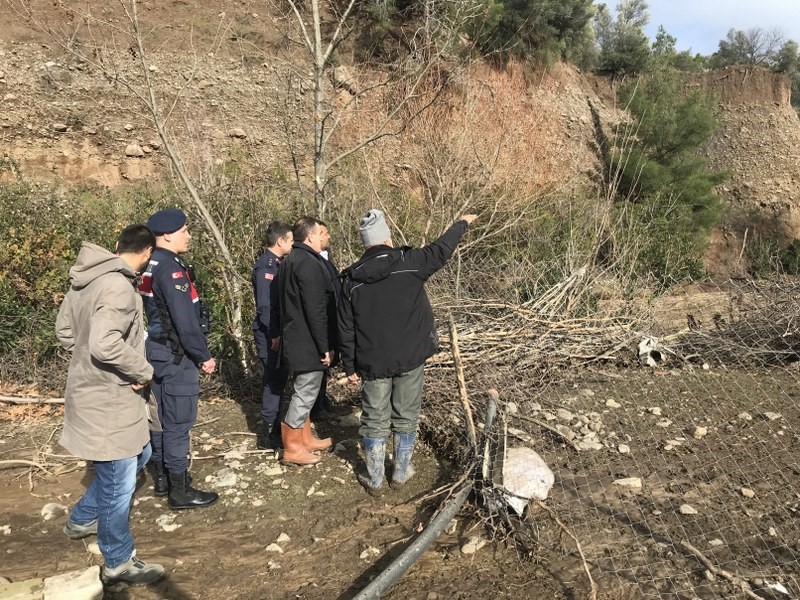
point(100, 322)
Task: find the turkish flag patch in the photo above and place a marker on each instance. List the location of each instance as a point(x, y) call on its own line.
point(269, 276)
point(178, 275)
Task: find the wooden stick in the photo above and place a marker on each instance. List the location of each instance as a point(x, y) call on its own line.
point(462, 386)
point(554, 516)
point(30, 400)
point(739, 582)
point(24, 463)
point(552, 430)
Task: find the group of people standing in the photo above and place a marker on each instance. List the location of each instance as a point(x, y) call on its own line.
point(374, 317)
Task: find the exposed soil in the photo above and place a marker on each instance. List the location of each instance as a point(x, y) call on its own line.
point(631, 538)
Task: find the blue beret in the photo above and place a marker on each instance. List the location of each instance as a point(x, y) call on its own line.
point(166, 221)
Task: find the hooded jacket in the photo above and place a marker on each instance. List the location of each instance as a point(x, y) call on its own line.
point(386, 324)
point(100, 322)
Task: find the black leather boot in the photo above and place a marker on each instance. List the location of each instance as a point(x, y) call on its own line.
point(183, 495)
point(159, 475)
point(269, 438)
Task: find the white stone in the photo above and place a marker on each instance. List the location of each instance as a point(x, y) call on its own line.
point(5, 529)
point(167, 522)
point(233, 455)
point(747, 492)
point(93, 548)
point(273, 471)
point(283, 538)
point(274, 548)
point(225, 478)
point(772, 416)
point(74, 585)
point(655, 410)
point(688, 509)
point(634, 483)
point(53, 510)
point(258, 502)
point(623, 449)
point(715, 542)
point(698, 432)
point(611, 403)
point(564, 414)
point(473, 544)
point(745, 416)
point(237, 132)
point(525, 476)
point(369, 553)
point(60, 127)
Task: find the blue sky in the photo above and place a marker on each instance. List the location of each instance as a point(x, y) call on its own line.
point(701, 24)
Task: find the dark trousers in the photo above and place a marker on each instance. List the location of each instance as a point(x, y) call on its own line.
point(273, 382)
point(176, 389)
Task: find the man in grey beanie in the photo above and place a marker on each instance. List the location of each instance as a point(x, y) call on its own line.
point(386, 333)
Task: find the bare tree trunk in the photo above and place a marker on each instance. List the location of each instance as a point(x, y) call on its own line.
point(233, 285)
point(320, 163)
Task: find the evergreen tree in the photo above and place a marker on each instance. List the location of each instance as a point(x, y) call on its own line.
point(624, 47)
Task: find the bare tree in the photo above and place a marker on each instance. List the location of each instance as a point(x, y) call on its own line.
point(431, 57)
point(756, 46)
point(103, 44)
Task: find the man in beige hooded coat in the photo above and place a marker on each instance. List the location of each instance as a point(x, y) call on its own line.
point(100, 322)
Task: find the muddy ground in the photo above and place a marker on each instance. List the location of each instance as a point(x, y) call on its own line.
point(340, 538)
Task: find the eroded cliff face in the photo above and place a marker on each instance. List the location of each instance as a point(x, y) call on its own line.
point(62, 122)
point(758, 143)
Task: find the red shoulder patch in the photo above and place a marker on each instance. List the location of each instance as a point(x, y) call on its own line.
point(177, 275)
point(269, 276)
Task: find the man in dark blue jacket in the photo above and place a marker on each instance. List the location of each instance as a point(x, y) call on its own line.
point(176, 347)
point(267, 330)
point(386, 333)
point(308, 335)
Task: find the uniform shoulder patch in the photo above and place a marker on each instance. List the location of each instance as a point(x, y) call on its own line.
point(269, 276)
point(177, 275)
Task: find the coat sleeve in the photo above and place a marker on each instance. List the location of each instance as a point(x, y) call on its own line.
point(109, 328)
point(274, 330)
point(433, 257)
point(347, 333)
point(64, 332)
point(313, 287)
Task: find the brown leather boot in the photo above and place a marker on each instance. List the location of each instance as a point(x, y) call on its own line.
point(294, 451)
point(312, 443)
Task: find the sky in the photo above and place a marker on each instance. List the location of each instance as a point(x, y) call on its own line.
point(701, 24)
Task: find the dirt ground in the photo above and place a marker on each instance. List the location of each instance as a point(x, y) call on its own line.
point(340, 538)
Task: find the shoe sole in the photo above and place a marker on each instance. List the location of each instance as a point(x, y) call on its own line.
point(190, 506)
point(114, 581)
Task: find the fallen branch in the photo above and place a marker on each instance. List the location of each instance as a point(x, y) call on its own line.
point(741, 582)
point(23, 463)
point(462, 386)
point(552, 430)
point(554, 516)
point(30, 400)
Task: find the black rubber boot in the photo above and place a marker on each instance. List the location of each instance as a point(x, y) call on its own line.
point(182, 495)
point(160, 481)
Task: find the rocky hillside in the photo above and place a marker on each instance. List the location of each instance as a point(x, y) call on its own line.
point(246, 100)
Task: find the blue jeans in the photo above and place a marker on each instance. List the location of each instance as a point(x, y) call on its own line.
point(108, 499)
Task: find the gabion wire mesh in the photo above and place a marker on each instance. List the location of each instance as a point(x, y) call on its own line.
point(669, 422)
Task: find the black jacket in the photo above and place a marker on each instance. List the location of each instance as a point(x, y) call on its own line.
point(307, 309)
point(267, 324)
point(386, 322)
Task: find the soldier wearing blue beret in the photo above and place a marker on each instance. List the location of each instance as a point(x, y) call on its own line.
point(177, 348)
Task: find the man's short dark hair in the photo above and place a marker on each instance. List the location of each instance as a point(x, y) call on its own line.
point(275, 231)
point(135, 239)
point(303, 227)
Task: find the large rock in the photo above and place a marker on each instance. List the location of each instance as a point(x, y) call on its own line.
point(75, 585)
point(525, 476)
point(30, 589)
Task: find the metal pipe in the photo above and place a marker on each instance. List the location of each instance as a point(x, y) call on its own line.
point(400, 565)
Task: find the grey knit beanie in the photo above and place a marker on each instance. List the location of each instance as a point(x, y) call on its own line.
point(373, 228)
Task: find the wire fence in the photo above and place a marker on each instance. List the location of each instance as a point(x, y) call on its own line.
point(661, 427)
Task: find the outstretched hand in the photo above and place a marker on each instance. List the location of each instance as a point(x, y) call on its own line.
point(469, 218)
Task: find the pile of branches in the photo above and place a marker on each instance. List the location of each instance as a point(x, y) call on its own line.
point(765, 331)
